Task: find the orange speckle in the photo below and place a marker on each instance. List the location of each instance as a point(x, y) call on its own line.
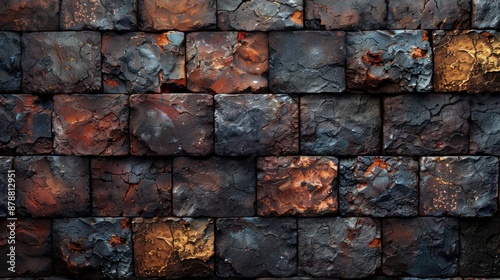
point(375, 243)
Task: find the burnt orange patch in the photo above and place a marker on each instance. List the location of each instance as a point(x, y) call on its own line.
point(242, 35)
point(375, 243)
point(418, 53)
point(111, 83)
point(297, 17)
point(373, 58)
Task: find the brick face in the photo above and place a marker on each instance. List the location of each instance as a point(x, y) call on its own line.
point(29, 15)
point(10, 61)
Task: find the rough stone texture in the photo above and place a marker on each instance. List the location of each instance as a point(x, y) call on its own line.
point(52, 186)
point(307, 61)
point(480, 247)
point(303, 186)
point(25, 124)
point(10, 61)
point(260, 15)
point(93, 247)
point(5, 166)
point(214, 187)
point(173, 247)
point(434, 124)
point(484, 125)
point(91, 124)
point(29, 15)
point(340, 125)
point(339, 247)
point(61, 62)
point(171, 124)
point(346, 14)
point(139, 62)
point(425, 14)
point(183, 15)
point(256, 247)
point(485, 14)
point(463, 186)
point(98, 15)
point(378, 186)
point(389, 61)
point(263, 124)
point(420, 247)
point(466, 61)
point(131, 187)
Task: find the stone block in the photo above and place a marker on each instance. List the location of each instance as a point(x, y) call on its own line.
point(485, 125)
point(98, 15)
point(485, 14)
point(10, 61)
point(29, 15)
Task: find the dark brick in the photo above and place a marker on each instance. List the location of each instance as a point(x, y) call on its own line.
point(91, 124)
point(378, 186)
point(131, 187)
point(340, 125)
point(421, 247)
point(10, 61)
point(485, 14)
point(5, 166)
point(303, 186)
point(485, 125)
point(171, 124)
point(261, 124)
point(98, 15)
point(214, 187)
point(29, 15)
point(256, 247)
point(93, 247)
point(173, 247)
point(389, 61)
point(434, 124)
point(339, 247)
point(61, 62)
point(139, 62)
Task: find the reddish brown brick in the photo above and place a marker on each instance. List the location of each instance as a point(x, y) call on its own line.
point(29, 15)
point(98, 15)
point(10, 61)
point(5, 166)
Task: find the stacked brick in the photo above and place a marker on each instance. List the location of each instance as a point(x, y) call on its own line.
point(298, 139)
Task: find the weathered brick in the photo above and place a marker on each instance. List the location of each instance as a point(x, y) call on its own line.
point(260, 124)
point(98, 15)
point(171, 124)
point(61, 62)
point(5, 166)
point(214, 187)
point(139, 62)
point(378, 186)
point(131, 187)
point(256, 247)
point(389, 61)
point(93, 247)
point(340, 125)
point(10, 61)
point(484, 125)
point(339, 247)
point(466, 61)
point(420, 247)
point(173, 247)
point(29, 15)
point(485, 14)
point(433, 124)
point(91, 124)
point(301, 185)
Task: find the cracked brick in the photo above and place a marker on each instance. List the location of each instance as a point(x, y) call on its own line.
point(139, 62)
point(485, 14)
point(303, 186)
point(339, 247)
point(5, 166)
point(389, 61)
point(484, 125)
point(256, 124)
point(98, 14)
point(378, 186)
point(340, 125)
point(136, 186)
point(214, 187)
point(94, 124)
point(171, 124)
point(433, 124)
point(29, 15)
point(10, 61)
point(173, 247)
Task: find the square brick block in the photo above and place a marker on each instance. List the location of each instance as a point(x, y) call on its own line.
point(171, 124)
point(29, 15)
point(261, 124)
point(214, 187)
point(61, 62)
point(93, 247)
point(420, 247)
point(389, 61)
point(131, 187)
point(339, 247)
point(485, 14)
point(485, 125)
point(346, 14)
point(256, 247)
point(340, 125)
point(52, 186)
point(378, 186)
point(307, 61)
point(173, 247)
point(227, 62)
point(5, 166)
point(301, 185)
point(98, 15)
point(139, 62)
point(91, 124)
point(434, 124)
point(10, 61)
point(463, 186)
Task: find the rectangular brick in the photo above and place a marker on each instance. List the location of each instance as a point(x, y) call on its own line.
point(484, 125)
point(98, 15)
point(10, 61)
point(485, 14)
point(5, 166)
point(29, 15)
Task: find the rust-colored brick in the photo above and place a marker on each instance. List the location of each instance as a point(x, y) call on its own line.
point(29, 15)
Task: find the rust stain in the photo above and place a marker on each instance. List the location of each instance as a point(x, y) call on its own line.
point(242, 35)
point(418, 53)
point(425, 37)
point(373, 58)
point(111, 83)
point(296, 17)
point(116, 240)
point(76, 246)
point(124, 223)
point(375, 243)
